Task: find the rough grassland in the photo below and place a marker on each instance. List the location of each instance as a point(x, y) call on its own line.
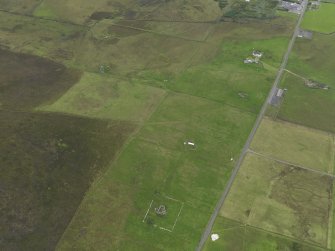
point(333, 233)
point(28, 81)
point(156, 163)
point(321, 20)
point(47, 164)
point(81, 11)
point(53, 40)
point(306, 106)
point(295, 144)
point(235, 236)
point(101, 96)
point(20, 6)
point(314, 59)
point(281, 199)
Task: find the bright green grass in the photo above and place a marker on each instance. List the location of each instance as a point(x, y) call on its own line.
point(306, 106)
point(155, 163)
point(235, 236)
point(314, 59)
point(45, 11)
point(295, 144)
point(321, 20)
point(280, 199)
point(101, 96)
point(225, 77)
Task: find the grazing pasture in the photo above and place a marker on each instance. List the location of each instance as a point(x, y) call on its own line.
point(295, 144)
point(157, 164)
point(282, 199)
point(101, 96)
point(239, 237)
point(307, 106)
point(320, 20)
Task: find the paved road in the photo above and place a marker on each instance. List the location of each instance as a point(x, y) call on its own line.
point(223, 197)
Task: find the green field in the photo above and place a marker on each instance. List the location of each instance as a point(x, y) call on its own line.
point(320, 20)
point(281, 199)
point(98, 102)
point(295, 144)
point(99, 96)
point(157, 163)
point(306, 106)
point(235, 236)
point(225, 78)
point(314, 59)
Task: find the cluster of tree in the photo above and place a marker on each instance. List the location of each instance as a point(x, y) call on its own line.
point(249, 9)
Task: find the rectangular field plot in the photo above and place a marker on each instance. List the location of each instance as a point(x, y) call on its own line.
point(315, 59)
point(163, 212)
point(101, 96)
point(224, 77)
point(234, 236)
point(320, 20)
point(158, 163)
point(307, 106)
point(281, 199)
point(295, 144)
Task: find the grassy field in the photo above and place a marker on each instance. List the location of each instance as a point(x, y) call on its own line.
point(101, 96)
point(53, 40)
point(306, 106)
point(20, 6)
point(320, 20)
point(83, 12)
point(281, 199)
point(225, 78)
point(106, 99)
point(157, 163)
point(295, 144)
point(314, 59)
point(48, 162)
point(235, 236)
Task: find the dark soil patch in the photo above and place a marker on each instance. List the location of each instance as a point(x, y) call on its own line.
point(47, 163)
point(27, 81)
point(102, 15)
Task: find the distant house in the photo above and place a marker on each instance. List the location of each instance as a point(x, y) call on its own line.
point(257, 54)
point(291, 7)
point(249, 61)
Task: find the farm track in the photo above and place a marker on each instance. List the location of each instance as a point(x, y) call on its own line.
point(291, 164)
point(280, 73)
